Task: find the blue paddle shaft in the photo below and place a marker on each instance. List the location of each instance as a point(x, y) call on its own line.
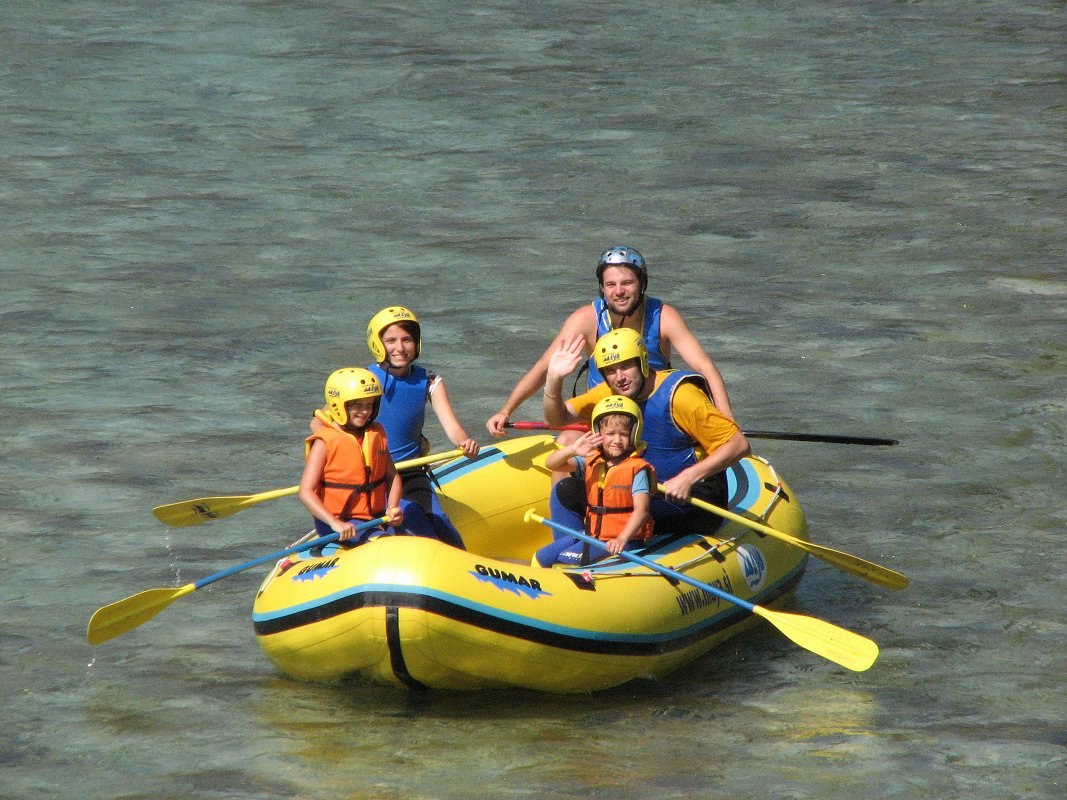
point(681, 576)
point(333, 537)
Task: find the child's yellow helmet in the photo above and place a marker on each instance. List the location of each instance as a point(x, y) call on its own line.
point(619, 345)
point(617, 404)
point(351, 383)
point(382, 320)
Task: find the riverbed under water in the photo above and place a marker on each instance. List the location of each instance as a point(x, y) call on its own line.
point(858, 208)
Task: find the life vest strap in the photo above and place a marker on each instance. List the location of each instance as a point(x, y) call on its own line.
point(598, 510)
point(357, 490)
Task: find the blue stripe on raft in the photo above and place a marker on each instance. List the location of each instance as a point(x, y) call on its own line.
point(518, 619)
point(491, 455)
point(274, 622)
point(755, 488)
point(464, 466)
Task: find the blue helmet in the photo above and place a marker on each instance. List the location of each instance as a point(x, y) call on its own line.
point(622, 256)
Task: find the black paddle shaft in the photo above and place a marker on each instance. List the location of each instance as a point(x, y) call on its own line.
point(819, 437)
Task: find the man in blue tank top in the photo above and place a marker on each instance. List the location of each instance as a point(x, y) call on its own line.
point(622, 304)
point(689, 442)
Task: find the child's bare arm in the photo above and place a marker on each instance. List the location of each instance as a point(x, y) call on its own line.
point(583, 446)
point(633, 524)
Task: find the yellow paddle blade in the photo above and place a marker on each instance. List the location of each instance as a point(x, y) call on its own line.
point(822, 638)
point(125, 615)
point(187, 513)
point(205, 509)
point(875, 573)
point(839, 645)
point(868, 570)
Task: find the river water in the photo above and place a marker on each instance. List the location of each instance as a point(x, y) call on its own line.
point(858, 207)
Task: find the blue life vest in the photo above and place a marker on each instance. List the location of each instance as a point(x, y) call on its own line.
point(403, 410)
point(657, 359)
point(670, 450)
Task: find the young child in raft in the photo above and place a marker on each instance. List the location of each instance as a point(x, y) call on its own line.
point(618, 485)
point(348, 472)
point(394, 337)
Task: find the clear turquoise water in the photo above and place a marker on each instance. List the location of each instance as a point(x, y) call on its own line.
point(859, 208)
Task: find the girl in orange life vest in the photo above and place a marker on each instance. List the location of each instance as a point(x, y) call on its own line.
point(617, 485)
point(348, 472)
point(394, 337)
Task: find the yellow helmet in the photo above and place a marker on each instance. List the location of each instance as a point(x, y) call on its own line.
point(617, 404)
point(382, 320)
point(619, 345)
point(347, 384)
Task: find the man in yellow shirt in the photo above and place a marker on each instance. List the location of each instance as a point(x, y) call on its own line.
point(679, 418)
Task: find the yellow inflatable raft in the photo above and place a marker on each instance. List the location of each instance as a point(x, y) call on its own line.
point(414, 612)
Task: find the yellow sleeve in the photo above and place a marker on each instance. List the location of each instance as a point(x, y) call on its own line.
point(695, 414)
point(583, 403)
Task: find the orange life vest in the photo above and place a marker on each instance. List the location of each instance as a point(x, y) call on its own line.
point(353, 478)
point(610, 499)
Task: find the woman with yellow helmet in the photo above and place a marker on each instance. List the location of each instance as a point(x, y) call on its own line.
point(614, 494)
point(394, 338)
point(348, 472)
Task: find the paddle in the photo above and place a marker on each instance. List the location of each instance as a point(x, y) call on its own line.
point(831, 438)
point(797, 437)
point(841, 646)
point(205, 509)
point(883, 576)
point(544, 426)
point(125, 615)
